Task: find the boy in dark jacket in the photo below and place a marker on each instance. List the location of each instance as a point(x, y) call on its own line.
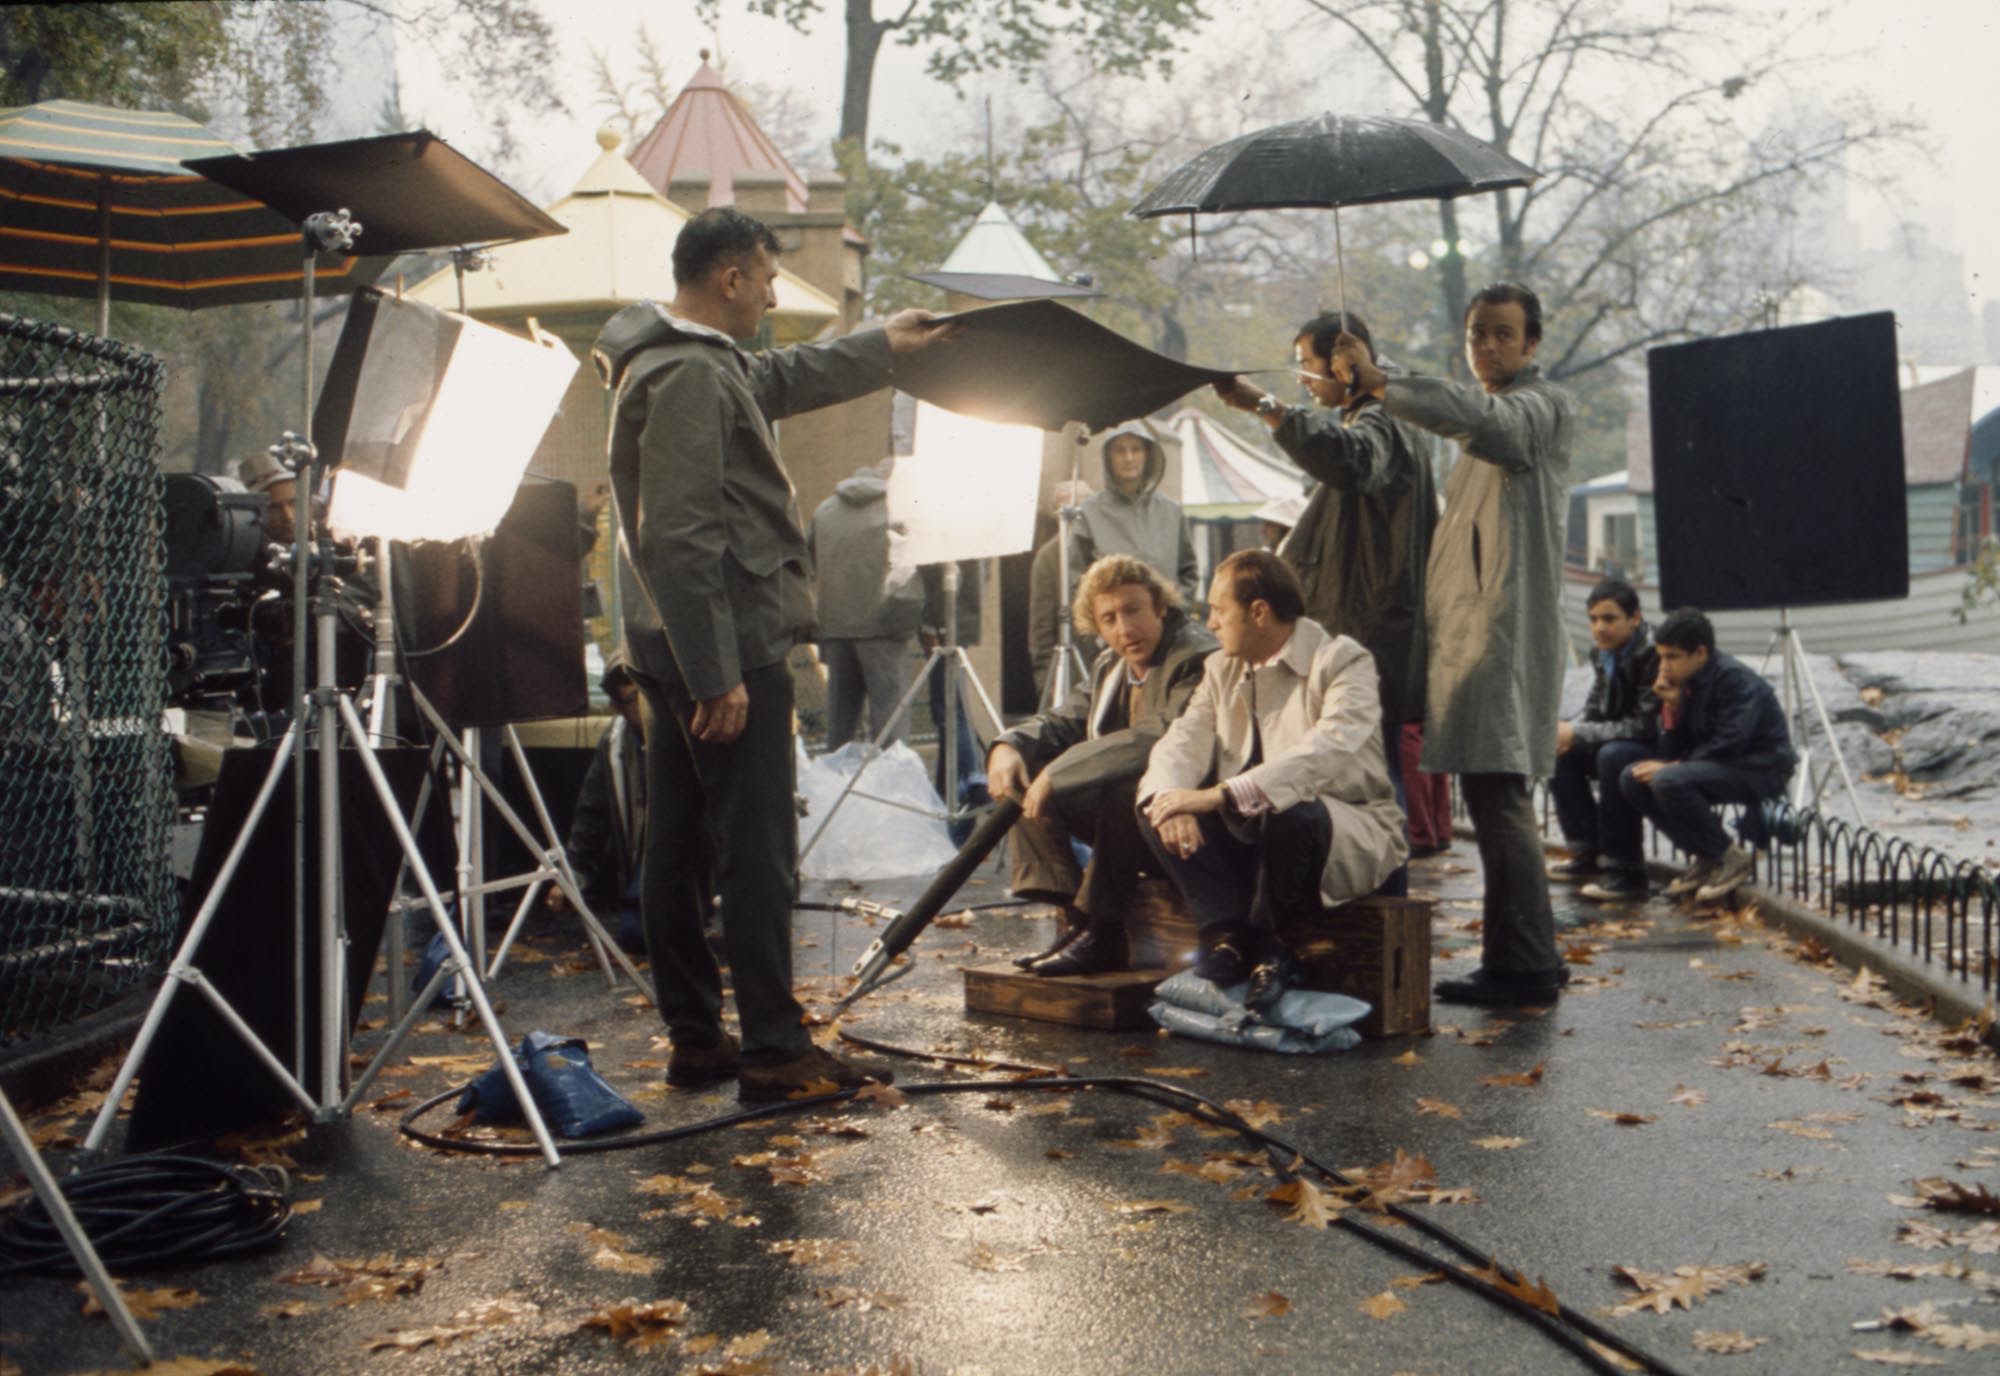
point(1722, 740)
point(1618, 726)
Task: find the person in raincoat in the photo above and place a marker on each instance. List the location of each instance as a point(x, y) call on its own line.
point(716, 585)
point(1131, 515)
point(1492, 601)
point(1362, 544)
point(866, 627)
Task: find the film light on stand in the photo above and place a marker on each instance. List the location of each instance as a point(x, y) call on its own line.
point(430, 418)
point(968, 490)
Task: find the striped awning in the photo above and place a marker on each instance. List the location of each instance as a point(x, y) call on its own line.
point(1222, 477)
point(89, 192)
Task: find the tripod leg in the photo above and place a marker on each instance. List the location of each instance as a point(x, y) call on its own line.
point(1826, 726)
point(183, 961)
point(473, 988)
point(399, 906)
point(555, 865)
point(50, 1193)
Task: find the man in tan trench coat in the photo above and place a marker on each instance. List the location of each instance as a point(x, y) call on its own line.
point(1269, 797)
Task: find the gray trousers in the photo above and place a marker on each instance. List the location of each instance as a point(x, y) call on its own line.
point(870, 671)
point(1518, 936)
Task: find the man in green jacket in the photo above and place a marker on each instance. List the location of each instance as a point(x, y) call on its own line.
point(1084, 759)
point(716, 586)
point(1362, 544)
point(1493, 604)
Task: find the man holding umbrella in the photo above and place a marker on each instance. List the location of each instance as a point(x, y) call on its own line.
point(1493, 604)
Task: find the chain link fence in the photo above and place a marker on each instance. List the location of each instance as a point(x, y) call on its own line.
point(87, 907)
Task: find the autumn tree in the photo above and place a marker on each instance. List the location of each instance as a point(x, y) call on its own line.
point(1673, 152)
point(960, 38)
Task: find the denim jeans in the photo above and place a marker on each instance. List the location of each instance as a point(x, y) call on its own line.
point(1682, 798)
point(1605, 824)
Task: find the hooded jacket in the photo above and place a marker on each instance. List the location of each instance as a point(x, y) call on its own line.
point(849, 539)
point(1143, 524)
point(1362, 545)
point(715, 577)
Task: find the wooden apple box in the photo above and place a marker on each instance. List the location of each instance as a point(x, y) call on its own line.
point(1374, 949)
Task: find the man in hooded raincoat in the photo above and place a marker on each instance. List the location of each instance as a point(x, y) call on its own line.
point(716, 585)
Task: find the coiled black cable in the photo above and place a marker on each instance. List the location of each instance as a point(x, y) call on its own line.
point(152, 1211)
point(1579, 1334)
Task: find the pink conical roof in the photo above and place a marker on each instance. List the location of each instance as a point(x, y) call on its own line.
point(707, 132)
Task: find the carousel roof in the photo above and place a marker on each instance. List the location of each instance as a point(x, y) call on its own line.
point(707, 132)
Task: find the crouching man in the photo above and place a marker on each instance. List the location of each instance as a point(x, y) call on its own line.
point(1722, 740)
point(1617, 728)
point(1076, 767)
point(1269, 798)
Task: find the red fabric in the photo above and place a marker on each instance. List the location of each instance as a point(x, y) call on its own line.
point(1429, 795)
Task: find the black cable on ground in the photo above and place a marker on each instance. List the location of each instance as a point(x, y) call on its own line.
point(1573, 1331)
point(152, 1211)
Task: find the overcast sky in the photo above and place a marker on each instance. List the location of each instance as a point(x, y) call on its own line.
point(1938, 59)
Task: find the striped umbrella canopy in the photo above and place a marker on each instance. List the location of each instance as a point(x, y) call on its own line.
point(94, 202)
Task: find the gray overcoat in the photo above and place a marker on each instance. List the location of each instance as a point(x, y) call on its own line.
point(1493, 591)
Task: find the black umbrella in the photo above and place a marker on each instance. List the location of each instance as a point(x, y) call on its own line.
point(1330, 161)
point(1040, 363)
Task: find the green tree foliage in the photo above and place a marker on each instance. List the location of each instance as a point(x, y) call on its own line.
point(960, 38)
point(258, 74)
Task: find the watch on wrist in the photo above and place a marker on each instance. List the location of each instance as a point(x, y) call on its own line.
point(1268, 406)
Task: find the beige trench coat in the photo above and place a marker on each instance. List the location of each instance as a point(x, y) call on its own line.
point(1320, 713)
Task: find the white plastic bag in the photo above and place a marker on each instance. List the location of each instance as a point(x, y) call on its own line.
point(868, 839)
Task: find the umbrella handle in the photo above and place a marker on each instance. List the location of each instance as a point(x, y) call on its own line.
point(1340, 268)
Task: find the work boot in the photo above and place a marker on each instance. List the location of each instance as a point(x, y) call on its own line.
point(815, 1072)
point(1735, 867)
point(690, 1066)
point(1689, 879)
point(1072, 928)
point(1100, 948)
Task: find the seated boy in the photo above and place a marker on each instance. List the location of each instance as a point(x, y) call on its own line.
point(1617, 727)
point(1722, 740)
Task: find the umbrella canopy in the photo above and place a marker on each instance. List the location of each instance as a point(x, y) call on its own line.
point(1334, 160)
point(1330, 161)
point(94, 202)
point(1040, 363)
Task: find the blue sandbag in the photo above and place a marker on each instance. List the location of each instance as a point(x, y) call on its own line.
point(572, 1096)
point(1310, 1012)
point(1255, 1036)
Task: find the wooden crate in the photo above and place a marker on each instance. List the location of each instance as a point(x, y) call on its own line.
point(1111, 1001)
point(1377, 949)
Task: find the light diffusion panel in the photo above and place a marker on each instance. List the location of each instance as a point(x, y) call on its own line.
point(1778, 467)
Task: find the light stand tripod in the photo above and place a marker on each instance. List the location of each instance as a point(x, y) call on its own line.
point(1796, 690)
point(949, 654)
point(1069, 659)
point(331, 712)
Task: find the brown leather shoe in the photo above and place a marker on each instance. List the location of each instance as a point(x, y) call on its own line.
point(691, 1067)
point(816, 1072)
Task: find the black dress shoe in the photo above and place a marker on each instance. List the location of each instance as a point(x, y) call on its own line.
point(1063, 938)
point(1269, 979)
point(1093, 953)
point(1222, 963)
point(1498, 989)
